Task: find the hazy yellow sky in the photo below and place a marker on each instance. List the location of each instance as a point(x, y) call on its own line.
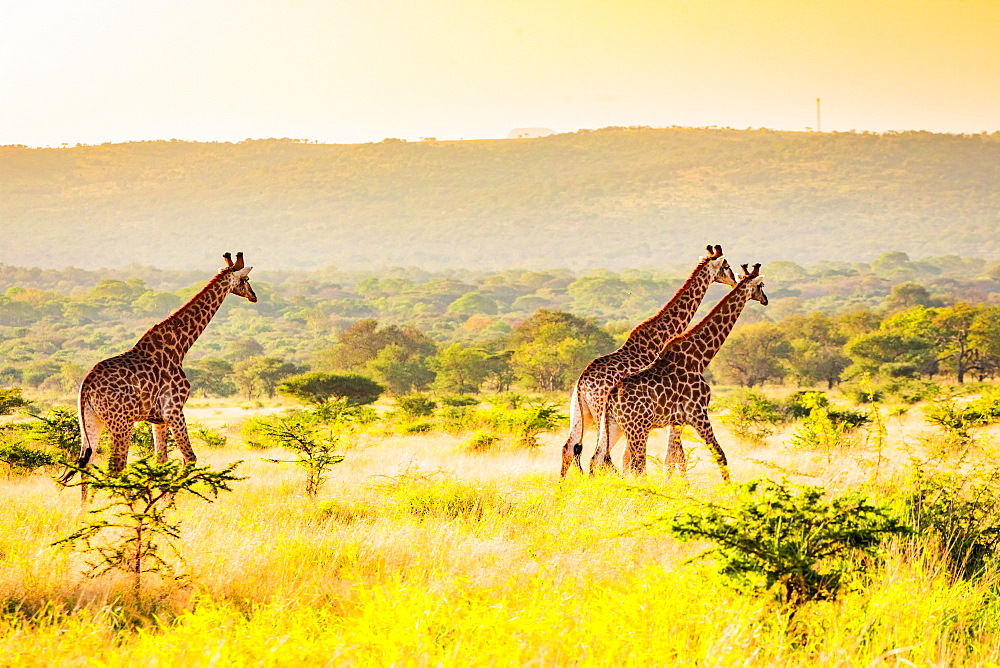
point(92, 71)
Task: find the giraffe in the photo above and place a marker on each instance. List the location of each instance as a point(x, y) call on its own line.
point(673, 392)
point(147, 382)
point(640, 350)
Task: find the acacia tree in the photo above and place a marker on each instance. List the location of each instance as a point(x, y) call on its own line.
point(551, 348)
point(460, 369)
point(817, 348)
point(318, 388)
point(965, 337)
point(753, 354)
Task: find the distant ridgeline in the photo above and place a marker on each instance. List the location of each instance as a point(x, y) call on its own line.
point(611, 198)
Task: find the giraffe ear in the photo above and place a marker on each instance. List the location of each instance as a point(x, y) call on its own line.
point(242, 273)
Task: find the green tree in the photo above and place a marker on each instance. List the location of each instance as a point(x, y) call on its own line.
point(460, 369)
point(318, 388)
point(11, 400)
point(473, 303)
point(551, 348)
point(259, 376)
point(817, 348)
point(211, 376)
point(401, 370)
point(359, 345)
point(130, 533)
point(905, 296)
point(754, 354)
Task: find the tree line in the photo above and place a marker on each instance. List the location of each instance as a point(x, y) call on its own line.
point(460, 332)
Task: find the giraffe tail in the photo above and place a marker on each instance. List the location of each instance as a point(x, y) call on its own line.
point(574, 443)
point(86, 449)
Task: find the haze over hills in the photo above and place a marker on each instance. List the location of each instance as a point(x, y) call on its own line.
point(613, 198)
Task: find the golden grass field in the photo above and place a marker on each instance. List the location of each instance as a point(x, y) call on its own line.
point(418, 552)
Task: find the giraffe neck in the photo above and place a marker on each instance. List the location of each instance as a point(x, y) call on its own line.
point(699, 345)
point(175, 335)
point(649, 338)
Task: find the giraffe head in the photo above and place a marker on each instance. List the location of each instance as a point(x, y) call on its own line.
point(717, 264)
point(239, 283)
point(756, 283)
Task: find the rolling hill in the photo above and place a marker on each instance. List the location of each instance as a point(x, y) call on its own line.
point(613, 198)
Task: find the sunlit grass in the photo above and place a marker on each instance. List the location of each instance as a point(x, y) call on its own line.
point(418, 551)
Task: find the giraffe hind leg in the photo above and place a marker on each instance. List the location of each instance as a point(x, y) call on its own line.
point(675, 459)
point(160, 433)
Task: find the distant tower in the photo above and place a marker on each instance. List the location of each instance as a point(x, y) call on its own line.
point(818, 127)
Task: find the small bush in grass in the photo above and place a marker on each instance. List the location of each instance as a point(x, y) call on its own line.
point(314, 444)
point(416, 427)
point(753, 417)
point(347, 512)
point(956, 421)
point(457, 419)
point(209, 438)
point(132, 532)
point(787, 539)
point(21, 459)
point(962, 510)
point(481, 441)
point(59, 429)
point(459, 400)
point(415, 405)
point(449, 499)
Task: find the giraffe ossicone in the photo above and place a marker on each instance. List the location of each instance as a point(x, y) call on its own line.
point(640, 350)
point(147, 383)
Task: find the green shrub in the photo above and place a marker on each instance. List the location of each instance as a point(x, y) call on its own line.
point(482, 440)
point(962, 510)
point(448, 499)
point(416, 427)
point(786, 539)
point(314, 445)
point(22, 459)
point(956, 421)
point(752, 417)
point(11, 400)
point(210, 438)
point(798, 405)
point(415, 405)
point(459, 400)
point(59, 429)
point(346, 512)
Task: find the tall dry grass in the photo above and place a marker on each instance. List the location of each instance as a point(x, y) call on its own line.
point(419, 552)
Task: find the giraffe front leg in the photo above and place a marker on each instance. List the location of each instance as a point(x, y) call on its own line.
point(675, 458)
point(704, 428)
point(160, 434)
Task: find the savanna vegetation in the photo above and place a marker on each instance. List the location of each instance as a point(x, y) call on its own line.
point(379, 486)
point(565, 199)
point(465, 332)
point(427, 531)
